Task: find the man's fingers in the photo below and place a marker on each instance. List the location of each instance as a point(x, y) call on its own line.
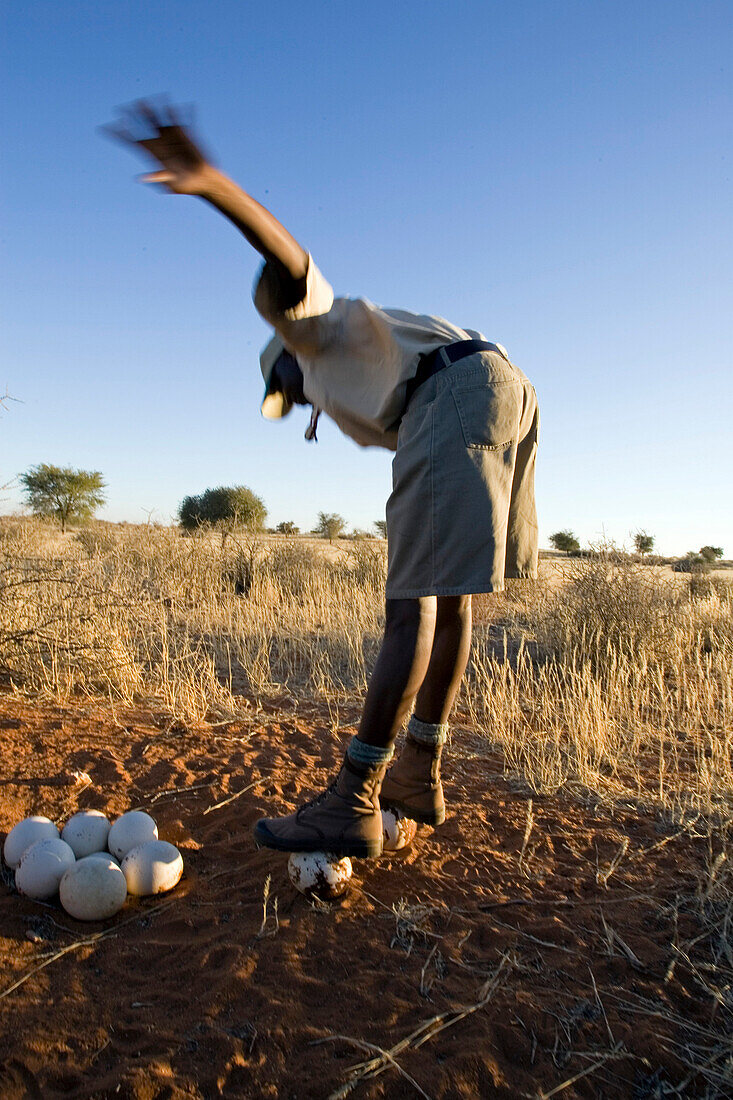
point(148, 112)
point(118, 132)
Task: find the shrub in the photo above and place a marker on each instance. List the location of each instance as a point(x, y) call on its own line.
point(226, 507)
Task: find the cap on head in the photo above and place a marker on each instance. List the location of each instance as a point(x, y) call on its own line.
point(274, 404)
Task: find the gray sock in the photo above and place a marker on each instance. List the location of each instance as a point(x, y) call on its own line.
point(367, 756)
point(427, 733)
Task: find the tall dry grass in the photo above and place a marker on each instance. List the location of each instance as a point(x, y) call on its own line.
point(618, 678)
point(193, 622)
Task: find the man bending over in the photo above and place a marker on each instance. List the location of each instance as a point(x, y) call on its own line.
point(463, 423)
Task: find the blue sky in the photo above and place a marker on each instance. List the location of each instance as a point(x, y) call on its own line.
point(555, 174)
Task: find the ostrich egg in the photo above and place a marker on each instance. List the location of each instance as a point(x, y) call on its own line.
point(86, 832)
point(133, 828)
point(25, 833)
point(398, 831)
point(42, 867)
point(152, 868)
point(93, 889)
point(319, 874)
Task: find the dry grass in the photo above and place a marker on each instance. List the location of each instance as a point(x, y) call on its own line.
point(618, 678)
point(144, 611)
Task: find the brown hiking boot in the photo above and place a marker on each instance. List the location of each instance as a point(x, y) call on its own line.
point(345, 819)
point(413, 784)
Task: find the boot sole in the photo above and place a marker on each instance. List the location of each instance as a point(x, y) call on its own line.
point(359, 849)
point(423, 817)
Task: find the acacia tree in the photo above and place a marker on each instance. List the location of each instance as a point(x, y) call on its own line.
point(711, 554)
point(380, 526)
point(287, 527)
point(330, 525)
point(63, 492)
point(565, 541)
point(643, 542)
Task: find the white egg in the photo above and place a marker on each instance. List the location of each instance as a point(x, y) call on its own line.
point(86, 832)
point(319, 874)
point(93, 889)
point(106, 856)
point(397, 830)
point(133, 828)
point(25, 833)
point(42, 867)
point(152, 868)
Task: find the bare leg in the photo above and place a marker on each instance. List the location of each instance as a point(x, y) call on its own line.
point(448, 660)
point(400, 669)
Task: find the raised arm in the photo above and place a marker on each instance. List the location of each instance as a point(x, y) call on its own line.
point(185, 170)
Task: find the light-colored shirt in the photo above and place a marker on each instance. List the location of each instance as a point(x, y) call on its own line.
point(356, 357)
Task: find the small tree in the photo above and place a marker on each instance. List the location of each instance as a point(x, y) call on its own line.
point(330, 525)
point(380, 526)
point(643, 542)
point(565, 541)
point(711, 554)
point(63, 492)
point(287, 527)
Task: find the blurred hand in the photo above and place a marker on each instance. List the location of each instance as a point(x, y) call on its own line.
point(159, 131)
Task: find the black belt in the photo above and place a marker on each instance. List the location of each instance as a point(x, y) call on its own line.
point(433, 362)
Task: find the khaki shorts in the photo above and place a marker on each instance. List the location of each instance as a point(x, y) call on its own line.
point(462, 514)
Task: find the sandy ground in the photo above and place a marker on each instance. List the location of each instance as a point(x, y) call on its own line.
point(535, 971)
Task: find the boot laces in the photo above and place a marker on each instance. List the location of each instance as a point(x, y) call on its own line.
point(319, 798)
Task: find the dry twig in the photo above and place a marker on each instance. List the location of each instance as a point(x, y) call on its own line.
point(386, 1059)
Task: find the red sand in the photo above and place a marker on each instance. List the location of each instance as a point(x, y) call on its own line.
point(185, 999)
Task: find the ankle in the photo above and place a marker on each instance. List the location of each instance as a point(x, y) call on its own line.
point(428, 734)
point(365, 758)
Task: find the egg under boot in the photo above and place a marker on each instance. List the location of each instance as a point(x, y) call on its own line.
point(413, 784)
point(344, 820)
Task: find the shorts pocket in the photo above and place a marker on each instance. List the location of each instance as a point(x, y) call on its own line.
point(489, 414)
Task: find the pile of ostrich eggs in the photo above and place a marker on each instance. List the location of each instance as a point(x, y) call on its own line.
point(319, 874)
point(25, 833)
point(133, 828)
point(89, 881)
point(152, 868)
point(93, 889)
point(86, 832)
point(42, 866)
point(398, 831)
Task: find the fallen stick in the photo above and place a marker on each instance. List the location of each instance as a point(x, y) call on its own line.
point(226, 801)
point(583, 1073)
point(533, 939)
point(427, 1030)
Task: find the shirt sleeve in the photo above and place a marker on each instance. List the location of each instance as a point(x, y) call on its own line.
point(301, 326)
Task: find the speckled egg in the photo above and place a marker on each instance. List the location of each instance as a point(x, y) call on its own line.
point(320, 874)
point(42, 867)
point(93, 889)
point(86, 832)
point(133, 828)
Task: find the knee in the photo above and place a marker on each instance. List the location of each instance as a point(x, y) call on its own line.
point(454, 609)
point(410, 616)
